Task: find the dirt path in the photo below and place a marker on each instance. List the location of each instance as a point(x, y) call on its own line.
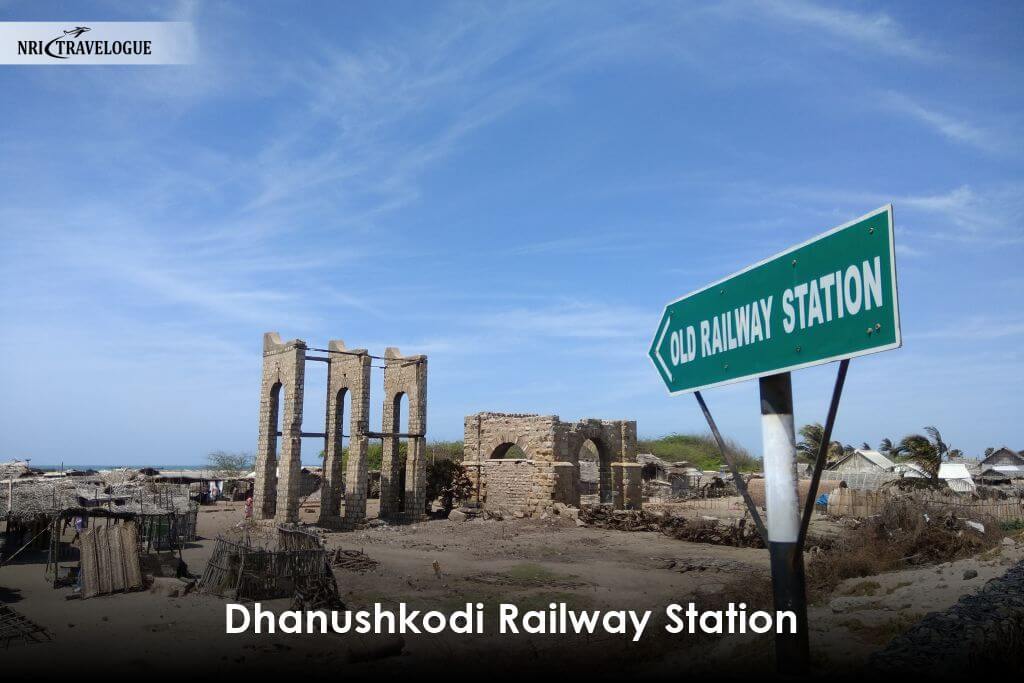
point(443, 565)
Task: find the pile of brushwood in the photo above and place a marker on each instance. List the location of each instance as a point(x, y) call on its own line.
point(740, 534)
point(353, 561)
point(903, 534)
point(317, 592)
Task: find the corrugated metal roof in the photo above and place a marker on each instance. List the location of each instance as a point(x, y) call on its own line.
point(1004, 452)
point(960, 485)
point(953, 470)
point(876, 458)
point(957, 477)
point(873, 457)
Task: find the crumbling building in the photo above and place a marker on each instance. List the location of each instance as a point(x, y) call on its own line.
point(343, 498)
point(552, 464)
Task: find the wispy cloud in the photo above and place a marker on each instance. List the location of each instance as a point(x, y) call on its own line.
point(909, 251)
point(575, 320)
point(384, 114)
point(587, 244)
point(878, 32)
point(992, 218)
point(151, 270)
point(957, 130)
point(974, 328)
point(989, 216)
point(331, 179)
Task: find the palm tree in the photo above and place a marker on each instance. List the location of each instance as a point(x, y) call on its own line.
point(812, 434)
point(919, 449)
point(807, 449)
point(941, 447)
point(888, 448)
point(837, 450)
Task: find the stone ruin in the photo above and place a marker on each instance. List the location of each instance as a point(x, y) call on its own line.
point(665, 481)
point(555, 463)
point(343, 499)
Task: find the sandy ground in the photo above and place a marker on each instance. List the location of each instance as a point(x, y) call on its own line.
point(442, 565)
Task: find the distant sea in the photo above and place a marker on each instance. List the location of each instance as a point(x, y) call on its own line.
point(108, 466)
point(162, 468)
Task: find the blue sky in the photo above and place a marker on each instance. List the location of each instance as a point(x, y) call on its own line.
point(515, 190)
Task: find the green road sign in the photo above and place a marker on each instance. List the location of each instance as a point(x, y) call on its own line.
point(829, 298)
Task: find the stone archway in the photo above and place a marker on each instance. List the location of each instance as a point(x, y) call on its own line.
point(549, 471)
point(593, 463)
point(403, 489)
point(507, 446)
point(348, 375)
point(278, 458)
point(266, 471)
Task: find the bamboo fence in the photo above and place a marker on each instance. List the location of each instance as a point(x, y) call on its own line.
point(859, 503)
point(260, 567)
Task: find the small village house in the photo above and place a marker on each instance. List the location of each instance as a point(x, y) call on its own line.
point(1005, 462)
point(957, 477)
point(862, 461)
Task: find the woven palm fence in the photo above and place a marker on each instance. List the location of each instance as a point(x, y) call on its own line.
point(110, 560)
point(257, 565)
point(860, 503)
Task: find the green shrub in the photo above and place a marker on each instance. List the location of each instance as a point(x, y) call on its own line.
point(447, 480)
point(700, 450)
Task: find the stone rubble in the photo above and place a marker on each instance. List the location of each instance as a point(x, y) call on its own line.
point(983, 631)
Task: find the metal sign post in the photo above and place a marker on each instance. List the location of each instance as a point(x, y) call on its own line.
point(831, 298)
point(782, 503)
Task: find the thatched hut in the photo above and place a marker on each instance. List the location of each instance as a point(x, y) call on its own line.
point(38, 512)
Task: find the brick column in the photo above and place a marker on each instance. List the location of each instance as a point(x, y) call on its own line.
point(290, 463)
point(627, 486)
point(348, 373)
point(404, 375)
point(390, 458)
point(280, 394)
point(567, 488)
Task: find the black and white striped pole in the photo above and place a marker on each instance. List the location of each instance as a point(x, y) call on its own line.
point(786, 531)
point(782, 503)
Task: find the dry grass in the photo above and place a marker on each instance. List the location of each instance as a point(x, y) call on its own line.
point(900, 535)
point(754, 589)
point(863, 588)
point(880, 634)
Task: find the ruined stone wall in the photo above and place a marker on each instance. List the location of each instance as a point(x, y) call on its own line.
point(488, 435)
point(627, 485)
point(509, 485)
point(552, 450)
point(615, 439)
point(279, 463)
point(567, 487)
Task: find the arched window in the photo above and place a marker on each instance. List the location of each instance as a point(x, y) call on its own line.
point(275, 419)
point(401, 412)
point(341, 428)
point(508, 451)
point(595, 472)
